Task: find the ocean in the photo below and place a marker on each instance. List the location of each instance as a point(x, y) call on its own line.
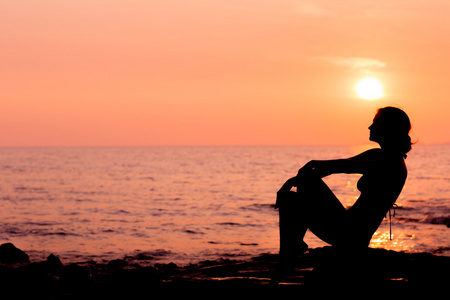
point(189, 204)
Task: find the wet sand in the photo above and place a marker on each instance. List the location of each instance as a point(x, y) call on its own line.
point(320, 271)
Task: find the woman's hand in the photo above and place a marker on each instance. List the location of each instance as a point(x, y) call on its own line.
point(317, 169)
point(287, 186)
point(307, 169)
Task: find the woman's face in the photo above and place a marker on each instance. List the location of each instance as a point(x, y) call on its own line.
point(376, 129)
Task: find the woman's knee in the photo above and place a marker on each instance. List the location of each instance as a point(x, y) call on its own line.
point(287, 199)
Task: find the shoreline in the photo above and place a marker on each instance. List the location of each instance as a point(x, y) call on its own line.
point(319, 269)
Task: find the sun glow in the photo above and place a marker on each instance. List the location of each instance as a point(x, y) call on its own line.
point(369, 88)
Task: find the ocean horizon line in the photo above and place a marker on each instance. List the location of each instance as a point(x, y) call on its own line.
point(212, 146)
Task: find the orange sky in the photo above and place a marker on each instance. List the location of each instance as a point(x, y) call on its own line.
point(207, 72)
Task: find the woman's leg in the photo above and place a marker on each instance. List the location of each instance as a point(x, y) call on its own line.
point(314, 206)
point(324, 214)
point(292, 227)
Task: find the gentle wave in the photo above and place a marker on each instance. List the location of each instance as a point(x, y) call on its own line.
point(442, 220)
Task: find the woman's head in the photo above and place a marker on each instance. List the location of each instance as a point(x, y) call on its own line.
point(390, 129)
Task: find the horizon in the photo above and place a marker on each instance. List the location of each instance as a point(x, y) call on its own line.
point(204, 72)
point(373, 145)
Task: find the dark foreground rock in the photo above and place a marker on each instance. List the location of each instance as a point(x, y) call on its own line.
point(320, 272)
point(9, 254)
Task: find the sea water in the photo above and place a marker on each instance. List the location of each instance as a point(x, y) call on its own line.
point(187, 204)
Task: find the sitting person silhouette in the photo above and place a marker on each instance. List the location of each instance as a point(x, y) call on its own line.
point(314, 205)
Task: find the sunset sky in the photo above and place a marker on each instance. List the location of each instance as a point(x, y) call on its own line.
point(209, 72)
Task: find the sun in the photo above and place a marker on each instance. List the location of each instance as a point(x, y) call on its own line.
point(369, 88)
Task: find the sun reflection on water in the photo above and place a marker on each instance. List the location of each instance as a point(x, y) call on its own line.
point(401, 241)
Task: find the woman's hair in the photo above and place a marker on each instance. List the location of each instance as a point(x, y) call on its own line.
point(396, 126)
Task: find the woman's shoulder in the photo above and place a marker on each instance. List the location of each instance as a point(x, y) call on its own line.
point(376, 152)
point(394, 165)
point(371, 154)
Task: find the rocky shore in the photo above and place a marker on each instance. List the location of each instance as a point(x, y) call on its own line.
point(320, 271)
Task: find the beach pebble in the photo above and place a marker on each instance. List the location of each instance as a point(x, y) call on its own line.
point(10, 254)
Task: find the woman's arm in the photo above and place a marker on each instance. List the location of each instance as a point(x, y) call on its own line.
point(359, 164)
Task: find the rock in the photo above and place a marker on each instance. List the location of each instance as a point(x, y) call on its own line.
point(116, 264)
point(10, 254)
point(53, 263)
point(77, 274)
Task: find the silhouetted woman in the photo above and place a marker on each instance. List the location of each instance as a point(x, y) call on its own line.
point(314, 205)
